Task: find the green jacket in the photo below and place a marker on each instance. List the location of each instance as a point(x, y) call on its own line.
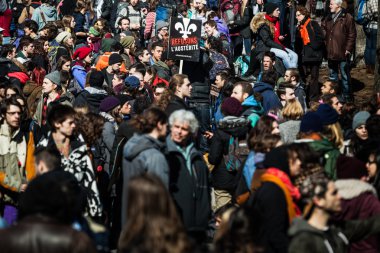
point(330, 153)
point(336, 239)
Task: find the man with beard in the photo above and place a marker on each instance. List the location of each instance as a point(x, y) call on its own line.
point(143, 152)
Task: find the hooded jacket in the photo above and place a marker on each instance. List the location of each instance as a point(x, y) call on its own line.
point(265, 33)
point(270, 99)
point(359, 201)
point(190, 190)
point(237, 127)
point(44, 11)
point(92, 97)
point(142, 154)
point(336, 239)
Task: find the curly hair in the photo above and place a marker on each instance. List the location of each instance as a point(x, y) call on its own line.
point(90, 126)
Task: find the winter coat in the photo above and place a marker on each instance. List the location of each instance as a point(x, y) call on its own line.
point(48, 12)
point(176, 103)
point(79, 164)
point(190, 191)
point(91, 97)
point(38, 117)
point(222, 179)
point(79, 74)
point(330, 154)
point(108, 137)
point(313, 51)
point(359, 201)
point(13, 150)
point(340, 36)
point(142, 154)
point(270, 99)
point(241, 23)
point(306, 238)
point(252, 110)
point(265, 33)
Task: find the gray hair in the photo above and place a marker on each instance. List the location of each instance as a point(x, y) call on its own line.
point(184, 116)
point(338, 2)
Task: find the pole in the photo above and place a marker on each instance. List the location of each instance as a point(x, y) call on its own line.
point(376, 86)
point(180, 66)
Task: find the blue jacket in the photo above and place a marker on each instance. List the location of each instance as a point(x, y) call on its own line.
point(79, 74)
point(270, 99)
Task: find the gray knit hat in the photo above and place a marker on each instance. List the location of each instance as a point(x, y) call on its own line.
point(359, 119)
point(161, 24)
point(55, 77)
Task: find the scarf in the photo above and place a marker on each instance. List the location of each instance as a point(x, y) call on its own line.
point(304, 34)
point(291, 192)
point(276, 25)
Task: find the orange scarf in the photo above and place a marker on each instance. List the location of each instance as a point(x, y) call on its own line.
point(291, 192)
point(304, 34)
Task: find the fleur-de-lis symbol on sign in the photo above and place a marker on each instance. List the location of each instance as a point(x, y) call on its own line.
point(185, 29)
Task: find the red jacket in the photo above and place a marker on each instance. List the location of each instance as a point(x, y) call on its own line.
point(5, 22)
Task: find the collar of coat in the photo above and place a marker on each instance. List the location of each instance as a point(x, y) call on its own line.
point(342, 14)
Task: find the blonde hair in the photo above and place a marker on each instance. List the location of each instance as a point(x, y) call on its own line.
point(334, 134)
point(292, 110)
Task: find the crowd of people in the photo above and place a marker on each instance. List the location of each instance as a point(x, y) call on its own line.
point(107, 144)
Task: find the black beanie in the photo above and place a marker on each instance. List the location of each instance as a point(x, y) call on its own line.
point(96, 79)
point(115, 58)
point(269, 8)
point(278, 158)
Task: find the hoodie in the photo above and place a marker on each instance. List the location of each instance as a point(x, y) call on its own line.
point(43, 14)
point(252, 110)
point(142, 154)
point(270, 99)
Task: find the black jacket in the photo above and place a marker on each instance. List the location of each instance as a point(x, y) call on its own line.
point(90, 97)
point(191, 192)
point(313, 52)
point(176, 103)
point(222, 179)
point(241, 23)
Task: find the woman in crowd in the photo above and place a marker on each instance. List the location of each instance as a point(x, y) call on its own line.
point(40, 55)
point(153, 224)
point(216, 60)
point(68, 23)
point(82, 65)
point(312, 45)
point(64, 63)
point(292, 114)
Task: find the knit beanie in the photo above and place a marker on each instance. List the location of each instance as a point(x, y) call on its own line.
point(94, 32)
point(115, 58)
point(127, 42)
point(311, 122)
point(132, 82)
point(359, 119)
point(55, 77)
point(278, 158)
point(269, 8)
point(96, 79)
point(107, 44)
point(82, 53)
point(327, 114)
point(231, 107)
point(108, 104)
point(350, 167)
point(124, 98)
point(62, 37)
point(161, 24)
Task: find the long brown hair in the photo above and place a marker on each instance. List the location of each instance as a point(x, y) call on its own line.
point(153, 224)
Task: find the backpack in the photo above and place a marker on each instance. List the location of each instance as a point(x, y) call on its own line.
point(237, 152)
point(52, 56)
point(120, 7)
point(362, 15)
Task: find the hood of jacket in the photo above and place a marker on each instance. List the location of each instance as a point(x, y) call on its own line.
point(258, 21)
point(48, 10)
point(236, 126)
point(352, 188)
point(139, 143)
point(251, 102)
point(261, 87)
point(300, 225)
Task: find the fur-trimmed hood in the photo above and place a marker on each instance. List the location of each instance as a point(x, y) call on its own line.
point(258, 21)
point(351, 188)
